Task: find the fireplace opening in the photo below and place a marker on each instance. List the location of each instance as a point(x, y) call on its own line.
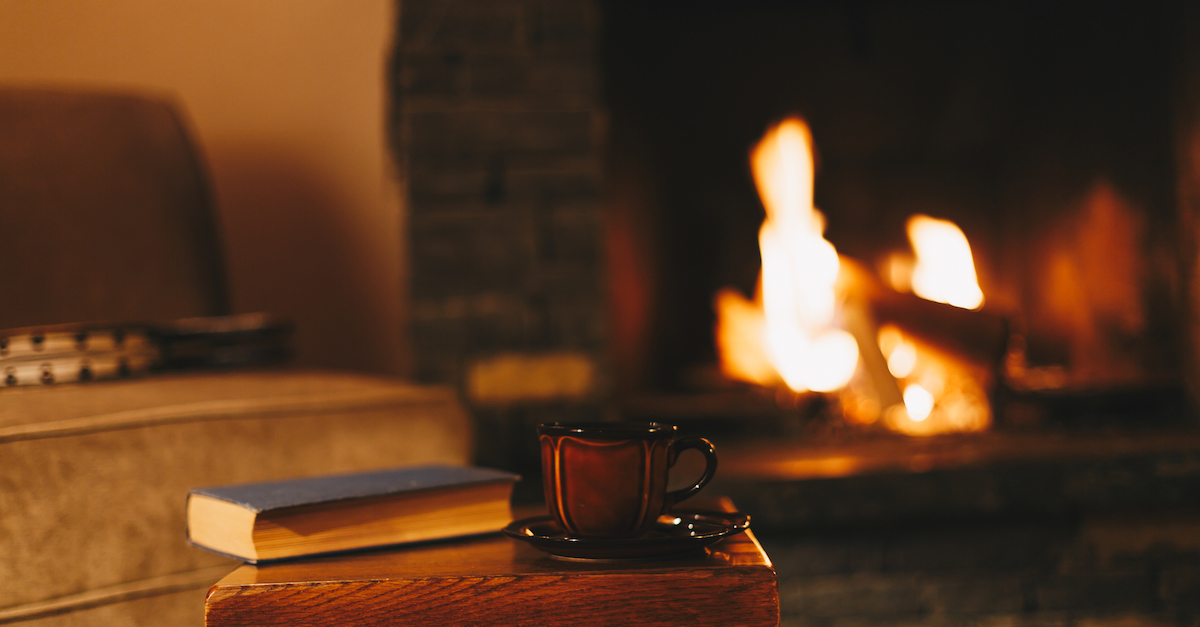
point(1049, 134)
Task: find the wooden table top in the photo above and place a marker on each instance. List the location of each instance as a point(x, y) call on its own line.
point(497, 580)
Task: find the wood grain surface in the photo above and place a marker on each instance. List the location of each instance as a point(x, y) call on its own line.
point(494, 580)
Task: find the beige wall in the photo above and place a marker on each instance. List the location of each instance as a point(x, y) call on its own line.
point(287, 98)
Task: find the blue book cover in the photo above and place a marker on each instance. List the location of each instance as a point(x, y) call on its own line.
point(273, 495)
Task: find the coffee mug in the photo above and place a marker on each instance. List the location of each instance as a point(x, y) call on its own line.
point(609, 479)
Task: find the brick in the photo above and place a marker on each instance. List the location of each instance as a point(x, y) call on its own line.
point(478, 305)
point(482, 25)
point(563, 24)
point(566, 75)
point(434, 74)
point(556, 188)
point(500, 76)
point(512, 377)
point(568, 282)
point(415, 19)
point(484, 133)
point(437, 24)
point(458, 254)
point(574, 235)
point(457, 188)
point(534, 79)
point(575, 323)
point(484, 333)
point(465, 187)
point(465, 323)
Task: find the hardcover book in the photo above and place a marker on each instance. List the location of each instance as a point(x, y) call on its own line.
point(276, 520)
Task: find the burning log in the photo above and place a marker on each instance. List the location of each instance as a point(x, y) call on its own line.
point(938, 360)
point(978, 335)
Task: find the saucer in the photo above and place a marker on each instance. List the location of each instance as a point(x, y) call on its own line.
point(675, 534)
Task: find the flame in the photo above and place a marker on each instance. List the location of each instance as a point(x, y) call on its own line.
point(945, 270)
point(790, 326)
point(918, 402)
point(902, 360)
point(740, 339)
point(942, 393)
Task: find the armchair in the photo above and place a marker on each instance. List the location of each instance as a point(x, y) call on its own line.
point(105, 215)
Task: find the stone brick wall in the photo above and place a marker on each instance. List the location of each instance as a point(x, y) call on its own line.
point(495, 120)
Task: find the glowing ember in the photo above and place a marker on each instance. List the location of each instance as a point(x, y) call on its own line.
point(945, 270)
point(918, 402)
point(942, 393)
point(795, 330)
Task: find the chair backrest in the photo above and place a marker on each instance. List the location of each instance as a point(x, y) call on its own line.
point(105, 212)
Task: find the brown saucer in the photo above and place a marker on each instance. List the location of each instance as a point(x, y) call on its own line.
point(674, 535)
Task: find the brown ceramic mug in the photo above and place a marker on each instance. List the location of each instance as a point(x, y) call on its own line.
point(609, 479)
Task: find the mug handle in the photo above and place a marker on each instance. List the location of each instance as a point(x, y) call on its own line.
point(710, 466)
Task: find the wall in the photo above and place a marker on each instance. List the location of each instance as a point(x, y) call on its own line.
point(287, 98)
point(500, 122)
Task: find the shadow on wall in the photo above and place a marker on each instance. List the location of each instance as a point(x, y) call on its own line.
point(296, 246)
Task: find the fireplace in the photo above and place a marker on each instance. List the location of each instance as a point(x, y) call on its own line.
point(581, 189)
point(1050, 135)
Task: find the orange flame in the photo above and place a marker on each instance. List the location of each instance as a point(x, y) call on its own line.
point(945, 270)
point(790, 326)
point(941, 392)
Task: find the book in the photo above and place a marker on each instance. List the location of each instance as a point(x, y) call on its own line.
point(276, 520)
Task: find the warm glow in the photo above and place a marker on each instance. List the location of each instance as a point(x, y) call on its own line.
point(918, 402)
point(945, 270)
point(941, 393)
point(793, 321)
point(902, 360)
point(897, 269)
point(740, 339)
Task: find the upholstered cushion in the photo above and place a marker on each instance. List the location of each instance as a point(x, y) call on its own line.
point(93, 477)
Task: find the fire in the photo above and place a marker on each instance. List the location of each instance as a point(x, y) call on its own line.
point(945, 270)
point(740, 339)
point(790, 326)
point(918, 402)
point(796, 330)
point(942, 393)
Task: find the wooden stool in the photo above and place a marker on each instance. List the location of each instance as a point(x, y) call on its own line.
point(495, 580)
